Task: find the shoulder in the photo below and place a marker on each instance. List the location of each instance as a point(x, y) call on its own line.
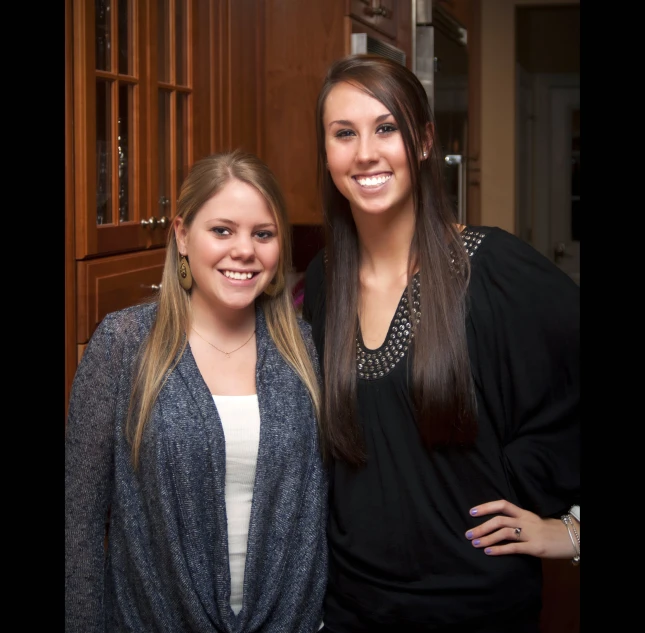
point(117, 339)
point(504, 258)
point(518, 287)
point(495, 241)
point(140, 314)
point(129, 324)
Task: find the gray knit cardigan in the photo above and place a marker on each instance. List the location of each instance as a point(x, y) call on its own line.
point(166, 566)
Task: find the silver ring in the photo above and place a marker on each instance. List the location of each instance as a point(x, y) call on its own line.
point(517, 531)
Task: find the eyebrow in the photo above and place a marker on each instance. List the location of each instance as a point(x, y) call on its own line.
point(378, 119)
point(257, 226)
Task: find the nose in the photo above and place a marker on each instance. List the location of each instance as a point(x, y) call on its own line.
point(243, 248)
point(366, 151)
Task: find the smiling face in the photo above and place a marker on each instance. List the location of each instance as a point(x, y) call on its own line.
point(232, 246)
point(366, 155)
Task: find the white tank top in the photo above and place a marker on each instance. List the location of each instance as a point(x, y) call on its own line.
point(240, 417)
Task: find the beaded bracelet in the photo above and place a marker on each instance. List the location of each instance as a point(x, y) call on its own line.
point(571, 530)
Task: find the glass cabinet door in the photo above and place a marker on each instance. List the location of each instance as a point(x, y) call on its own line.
point(173, 90)
point(109, 99)
point(132, 123)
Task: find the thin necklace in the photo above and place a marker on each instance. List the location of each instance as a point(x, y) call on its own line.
point(227, 354)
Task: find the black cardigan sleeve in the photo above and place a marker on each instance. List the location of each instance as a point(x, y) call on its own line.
point(524, 340)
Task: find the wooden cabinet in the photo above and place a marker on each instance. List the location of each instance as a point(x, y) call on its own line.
point(302, 38)
point(112, 283)
point(150, 87)
point(114, 107)
point(381, 15)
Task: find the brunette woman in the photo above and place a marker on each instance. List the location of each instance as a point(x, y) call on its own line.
point(451, 370)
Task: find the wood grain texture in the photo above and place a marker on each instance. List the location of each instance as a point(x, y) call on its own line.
point(387, 24)
point(112, 283)
point(301, 40)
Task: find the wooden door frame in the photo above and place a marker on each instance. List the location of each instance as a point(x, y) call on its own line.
point(70, 260)
point(543, 85)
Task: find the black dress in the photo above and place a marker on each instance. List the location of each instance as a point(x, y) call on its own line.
point(399, 560)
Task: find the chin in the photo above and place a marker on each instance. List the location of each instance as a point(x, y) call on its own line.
point(236, 302)
point(373, 209)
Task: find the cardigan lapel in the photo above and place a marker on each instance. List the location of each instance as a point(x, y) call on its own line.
point(212, 574)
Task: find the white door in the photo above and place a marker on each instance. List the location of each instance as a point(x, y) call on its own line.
point(564, 174)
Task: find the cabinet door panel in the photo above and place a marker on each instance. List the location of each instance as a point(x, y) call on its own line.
point(113, 283)
point(109, 143)
point(381, 15)
point(173, 87)
point(293, 77)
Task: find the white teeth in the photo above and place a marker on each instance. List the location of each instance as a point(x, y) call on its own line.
point(233, 275)
point(373, 181)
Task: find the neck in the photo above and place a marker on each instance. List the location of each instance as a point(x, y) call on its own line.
point(219, 323)
point(384, 244)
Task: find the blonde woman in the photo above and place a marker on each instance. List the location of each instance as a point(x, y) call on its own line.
point(193, 426)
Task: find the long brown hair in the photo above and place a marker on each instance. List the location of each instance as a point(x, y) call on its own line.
point(442, 385)
point(167, 341)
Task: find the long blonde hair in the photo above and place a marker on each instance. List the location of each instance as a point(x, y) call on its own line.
point(167, 341)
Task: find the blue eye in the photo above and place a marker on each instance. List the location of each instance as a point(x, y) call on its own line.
point(265, 235)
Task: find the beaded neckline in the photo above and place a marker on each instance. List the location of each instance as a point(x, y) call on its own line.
point(377, 363)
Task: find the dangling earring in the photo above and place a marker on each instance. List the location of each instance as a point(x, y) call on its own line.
point(425, 154)
point(276, 285)
point(185, 276)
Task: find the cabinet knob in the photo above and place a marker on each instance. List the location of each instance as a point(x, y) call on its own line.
point(376, 9)
point(163, 222)
point(149, 223)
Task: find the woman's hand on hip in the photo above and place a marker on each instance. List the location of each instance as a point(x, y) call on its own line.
point(517, 531)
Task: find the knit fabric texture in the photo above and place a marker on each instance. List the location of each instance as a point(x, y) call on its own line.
point(165, 569)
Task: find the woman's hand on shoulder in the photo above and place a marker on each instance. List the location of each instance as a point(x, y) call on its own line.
point(516, 531)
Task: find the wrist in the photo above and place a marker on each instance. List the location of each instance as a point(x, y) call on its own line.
point(574, 536)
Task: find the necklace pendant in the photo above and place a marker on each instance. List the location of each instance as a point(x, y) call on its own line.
point(227, 355)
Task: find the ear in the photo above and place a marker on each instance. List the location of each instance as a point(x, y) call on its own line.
point(180, 235)
point(428, 141)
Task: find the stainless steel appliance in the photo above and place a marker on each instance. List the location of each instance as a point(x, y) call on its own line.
point(440, 60)
point(364, 43)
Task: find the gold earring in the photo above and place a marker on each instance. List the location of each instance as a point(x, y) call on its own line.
point(276, 286)
point(185, 276)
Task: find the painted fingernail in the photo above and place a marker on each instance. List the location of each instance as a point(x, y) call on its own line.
point(488, 550)
point(476, 542)
point(469, 534)
point(473, 511)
